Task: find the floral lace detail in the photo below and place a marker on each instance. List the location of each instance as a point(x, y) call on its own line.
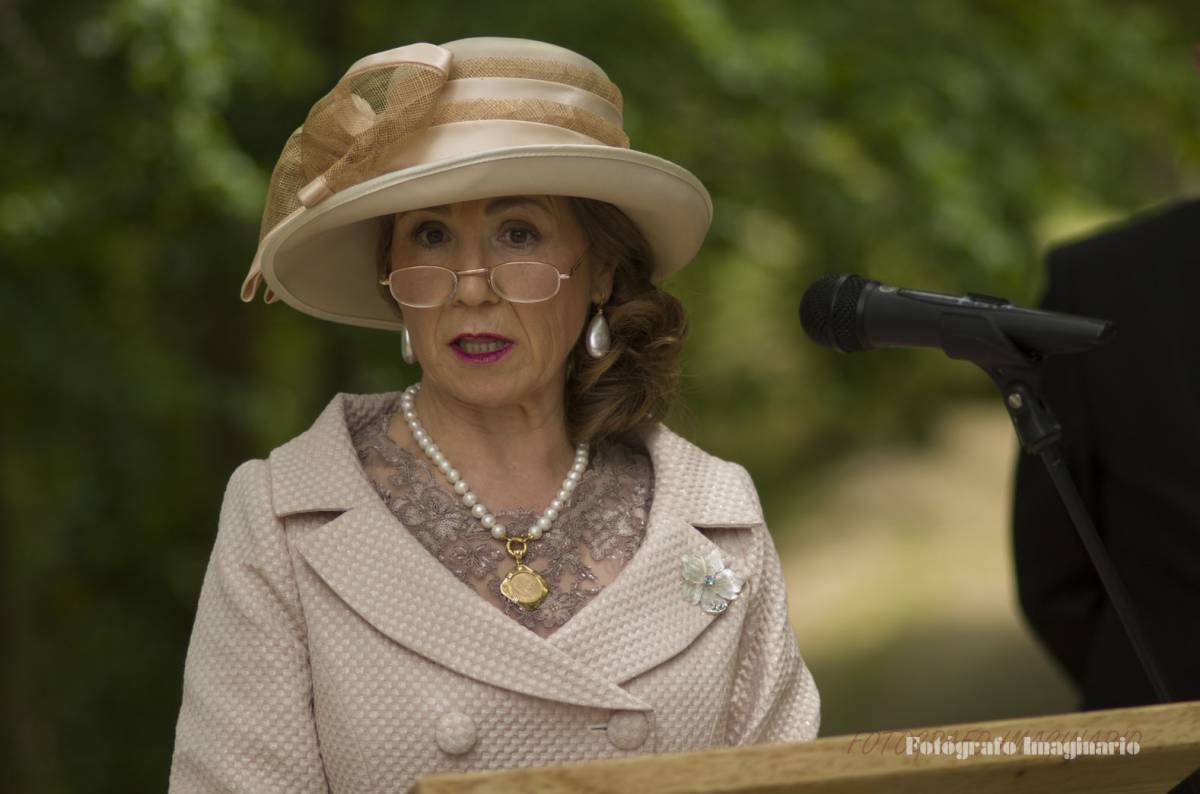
point(598, 531)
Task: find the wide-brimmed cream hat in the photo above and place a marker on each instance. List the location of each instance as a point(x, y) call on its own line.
point(426, 125)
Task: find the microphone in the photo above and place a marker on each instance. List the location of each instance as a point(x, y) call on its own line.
point(851, 313)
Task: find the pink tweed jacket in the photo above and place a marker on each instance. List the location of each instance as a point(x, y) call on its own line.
point(332, 653)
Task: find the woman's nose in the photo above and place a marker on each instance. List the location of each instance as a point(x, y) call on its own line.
point(475, 287)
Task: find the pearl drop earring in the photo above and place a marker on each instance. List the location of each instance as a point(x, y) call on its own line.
point(598, 341)
point(406, 351)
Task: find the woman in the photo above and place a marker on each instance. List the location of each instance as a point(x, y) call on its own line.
point(512, 562)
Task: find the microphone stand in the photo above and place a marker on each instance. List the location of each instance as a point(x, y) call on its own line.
point(1018, 376)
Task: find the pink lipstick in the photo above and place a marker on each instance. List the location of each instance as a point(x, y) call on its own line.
point(480, 348)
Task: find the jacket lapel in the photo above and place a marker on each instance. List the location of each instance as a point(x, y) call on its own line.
point(644, 605)
point(387, 577)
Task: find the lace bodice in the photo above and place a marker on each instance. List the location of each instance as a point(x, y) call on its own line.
point(595, 535)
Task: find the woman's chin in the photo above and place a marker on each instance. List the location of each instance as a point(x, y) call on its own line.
point(489, 387)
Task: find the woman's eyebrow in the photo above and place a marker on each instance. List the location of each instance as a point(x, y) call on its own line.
point(504, 202)
point(440, 209)
point(494, 206)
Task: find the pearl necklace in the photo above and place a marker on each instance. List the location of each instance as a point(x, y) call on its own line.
point(523, 586)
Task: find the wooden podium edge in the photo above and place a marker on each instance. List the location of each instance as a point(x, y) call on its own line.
point(1167, 736)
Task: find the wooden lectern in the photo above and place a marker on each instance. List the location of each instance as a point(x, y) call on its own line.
point(1161, 747)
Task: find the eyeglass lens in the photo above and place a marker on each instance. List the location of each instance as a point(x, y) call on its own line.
point(519, 282)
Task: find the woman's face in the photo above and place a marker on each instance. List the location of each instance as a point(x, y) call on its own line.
point(538, 336)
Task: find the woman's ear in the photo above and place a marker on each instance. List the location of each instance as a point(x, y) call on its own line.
point(602, 281)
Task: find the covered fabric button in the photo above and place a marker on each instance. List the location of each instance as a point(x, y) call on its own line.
point(628, 729)
point(455, 733)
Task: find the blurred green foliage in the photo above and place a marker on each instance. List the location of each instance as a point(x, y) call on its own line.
point(934, 144)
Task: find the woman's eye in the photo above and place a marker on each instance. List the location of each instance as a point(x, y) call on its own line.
point(520, 235)
point(428, 234)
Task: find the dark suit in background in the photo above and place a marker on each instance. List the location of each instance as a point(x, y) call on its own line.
point(1130, 412)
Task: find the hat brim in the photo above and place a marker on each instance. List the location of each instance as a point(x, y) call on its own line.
point(322, 259)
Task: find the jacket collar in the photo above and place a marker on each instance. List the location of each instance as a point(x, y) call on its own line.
point(374, 564)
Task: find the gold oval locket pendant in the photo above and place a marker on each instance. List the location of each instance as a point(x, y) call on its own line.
point(523, 586)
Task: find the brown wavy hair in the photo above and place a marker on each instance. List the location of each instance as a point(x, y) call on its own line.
point(627, 391)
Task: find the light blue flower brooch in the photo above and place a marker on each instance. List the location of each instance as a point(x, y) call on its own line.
point(707, 582)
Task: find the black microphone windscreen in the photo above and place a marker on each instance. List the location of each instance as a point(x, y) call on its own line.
point(828, 311)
